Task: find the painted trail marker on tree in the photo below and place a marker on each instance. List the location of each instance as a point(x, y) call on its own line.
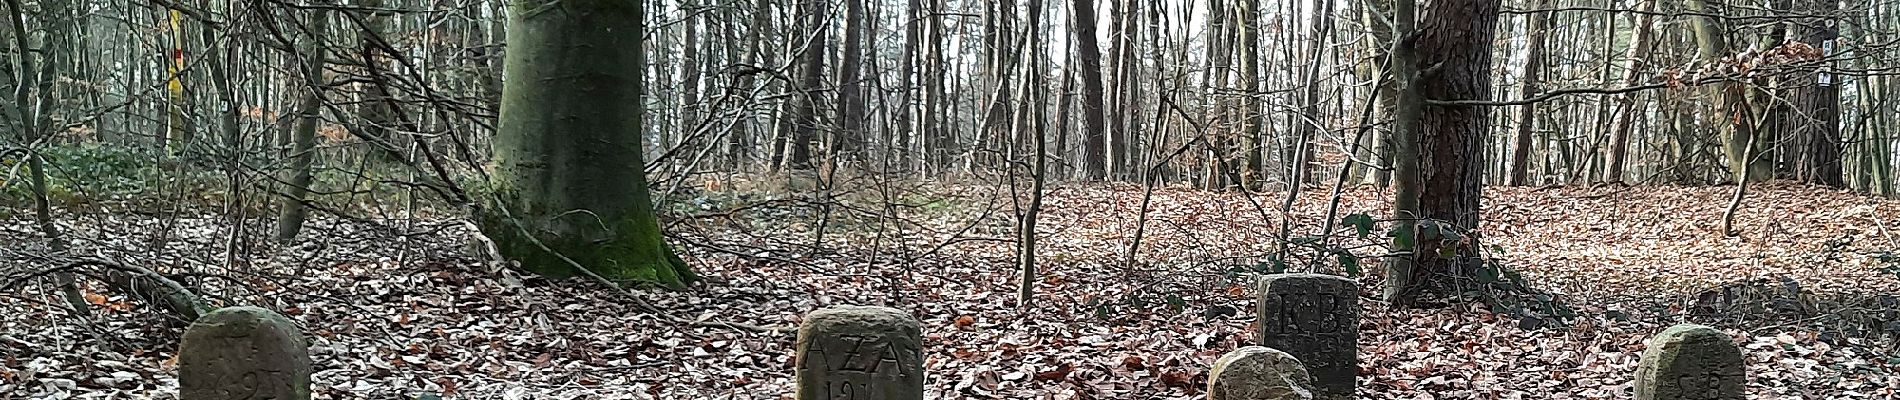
point(1258, 373)
point(1691, 362)
point(1315, 318)
point(860, 353)
point(243, 353)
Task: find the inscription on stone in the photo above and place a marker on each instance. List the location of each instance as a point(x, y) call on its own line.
point(860, 353)
point(1690, 362)
point(1315, 318)
point(243, 353)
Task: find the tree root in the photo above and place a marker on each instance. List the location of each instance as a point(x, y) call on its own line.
point(638, 302)
point(140, 282)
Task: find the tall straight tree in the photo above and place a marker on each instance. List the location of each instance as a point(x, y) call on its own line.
point(291, 213)
point(568, 185)
point(849, 139)
point(1377, 15)
point(1247, 24)
point(1746, 159)
point(1632, 75)
point(1440, 153)
point(1127, 119)
point(1094, 139)
point(1537, 28)
point(806, 117)
point(1811, 116)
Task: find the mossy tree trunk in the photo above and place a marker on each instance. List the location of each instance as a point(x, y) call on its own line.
point(292, 213)
point(1748, 163)
point(566, 178)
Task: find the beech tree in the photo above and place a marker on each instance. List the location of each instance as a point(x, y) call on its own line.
point(567, 190)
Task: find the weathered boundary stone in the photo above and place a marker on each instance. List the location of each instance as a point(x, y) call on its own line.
point(1315, 318)
point(1690, 362)
point(1258, 373)
point(240, 353)
point(860, 353)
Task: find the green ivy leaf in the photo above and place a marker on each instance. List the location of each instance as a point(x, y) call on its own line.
point(1348, 261)
point(1361, 223)
point(1176, 303)
point(1487, 275)
point(1403, 239)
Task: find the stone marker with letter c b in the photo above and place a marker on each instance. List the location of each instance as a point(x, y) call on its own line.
point(1691, 362)
point(1314, 318)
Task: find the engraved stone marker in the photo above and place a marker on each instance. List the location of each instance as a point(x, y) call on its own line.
point(242, 353)
point(1315, 318)
point(1258, 373)
point(1690, 362)
point(860, 353)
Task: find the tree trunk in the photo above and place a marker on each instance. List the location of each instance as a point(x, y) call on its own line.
point(567, 182)
point(1816, 94)
point(1732, 107)
point(1442, 163)
point(1537, 28)
point(1632, 75)
point(739, 147)
point(1301, 157)
point(908, 113)
point(935, 137)
point(806, 116)
point(292, 212)
point(1120, 150)
point(849, 139)
point(378, 106)
point(1029, 123)
point(1094, 139)
point(1377, 17)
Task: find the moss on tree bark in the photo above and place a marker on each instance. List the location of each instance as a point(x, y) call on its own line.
point(567, 180)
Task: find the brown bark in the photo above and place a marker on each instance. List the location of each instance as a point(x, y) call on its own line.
point(1451, 55)
point(811, 75)
point(1538, 27)
point(1632, 75)
point(1094, 139)
point(849, 139)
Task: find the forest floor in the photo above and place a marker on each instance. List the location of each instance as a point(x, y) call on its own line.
point(1807, 288)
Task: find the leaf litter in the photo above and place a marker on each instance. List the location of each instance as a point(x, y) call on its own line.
point(412, 315)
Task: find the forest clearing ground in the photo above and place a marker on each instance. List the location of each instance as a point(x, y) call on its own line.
point(394, 318)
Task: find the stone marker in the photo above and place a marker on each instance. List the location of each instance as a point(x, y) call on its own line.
point(240, 353)
point(1690, 361)
point(1315, 318)
point(1258, 373)
point(860, 353)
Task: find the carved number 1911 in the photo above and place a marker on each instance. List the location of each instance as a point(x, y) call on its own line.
point(845, 390)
